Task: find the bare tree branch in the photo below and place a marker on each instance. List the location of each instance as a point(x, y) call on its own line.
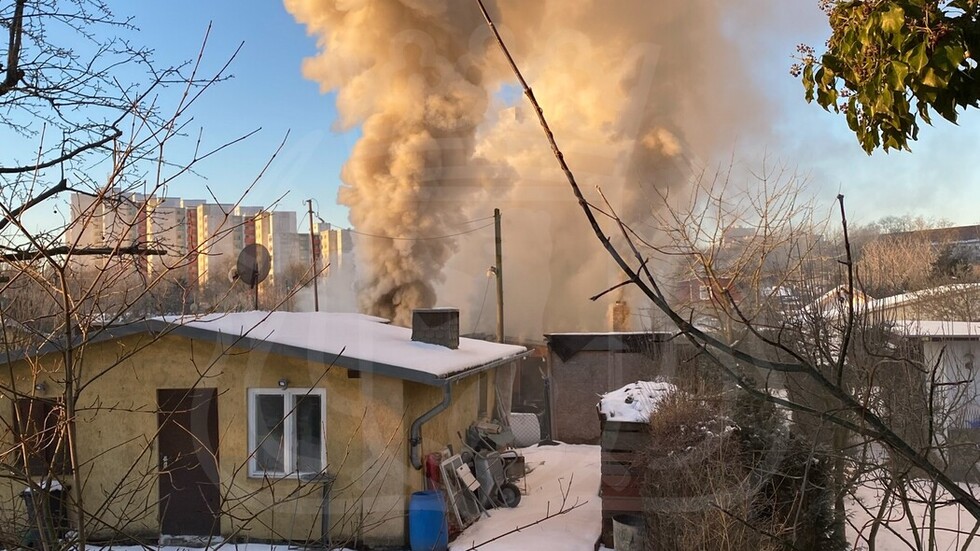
point(649, 288)
point(132, 250)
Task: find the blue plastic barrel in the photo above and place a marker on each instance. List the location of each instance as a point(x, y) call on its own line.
point(427, 527)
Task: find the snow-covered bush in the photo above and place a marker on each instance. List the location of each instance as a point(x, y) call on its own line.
point(723, 475)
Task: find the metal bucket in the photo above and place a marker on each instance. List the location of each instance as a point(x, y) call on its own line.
point(628, 532)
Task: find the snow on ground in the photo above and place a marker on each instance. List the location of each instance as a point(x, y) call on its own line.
point(634, 402)
point(949, 522)
point(223, 547)
point(556, 469)
point(575, 469)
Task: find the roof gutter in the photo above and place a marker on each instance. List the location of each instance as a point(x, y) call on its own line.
point(415, 435)
point(487, 366)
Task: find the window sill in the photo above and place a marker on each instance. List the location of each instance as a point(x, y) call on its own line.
point(302, 477)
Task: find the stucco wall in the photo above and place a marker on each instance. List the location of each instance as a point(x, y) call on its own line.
point(366, 434)
point(442, 430)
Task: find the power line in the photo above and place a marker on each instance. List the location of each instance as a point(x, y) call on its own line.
point(475, 220)
point(426, 238)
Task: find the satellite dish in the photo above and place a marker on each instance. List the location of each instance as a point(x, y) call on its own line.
point(253, 265)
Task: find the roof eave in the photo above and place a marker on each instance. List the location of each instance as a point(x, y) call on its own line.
point(338, 359)
point(485, 367)
point(159, 328)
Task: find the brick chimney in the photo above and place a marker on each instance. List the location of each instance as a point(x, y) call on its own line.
point(619, 316)
point(436, 326)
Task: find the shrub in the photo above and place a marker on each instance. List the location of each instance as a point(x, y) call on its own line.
point(732, 479)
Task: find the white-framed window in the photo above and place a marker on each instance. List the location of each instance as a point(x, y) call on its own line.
point(286, 431)
point(704, 293)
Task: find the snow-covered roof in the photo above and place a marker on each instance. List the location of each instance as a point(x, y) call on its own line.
point(634, 402)
point(939, 329)
point(935, 292)
point(354, 341)
point(351, 341)
point(833, 303)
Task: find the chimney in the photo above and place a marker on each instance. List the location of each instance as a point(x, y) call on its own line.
point(619, 316)
point(436, 326)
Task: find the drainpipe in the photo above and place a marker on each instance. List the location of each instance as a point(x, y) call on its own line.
point(415, 436)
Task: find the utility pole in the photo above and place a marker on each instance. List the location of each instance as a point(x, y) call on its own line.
point(498, 265)
point(316, 294)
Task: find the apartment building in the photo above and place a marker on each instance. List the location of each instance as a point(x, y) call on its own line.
point(202, 240)
point(335, 244)
point(220, 237)
point(276, 231)
point(168, 227)
point(99, 222)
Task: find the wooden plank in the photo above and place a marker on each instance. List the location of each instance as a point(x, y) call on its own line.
point(613, 505)
point(624, 457)
point(620, 481)
point(619, 469)
point(618, 426)
point(617, 457)
point(618, 488)
point(624, 441)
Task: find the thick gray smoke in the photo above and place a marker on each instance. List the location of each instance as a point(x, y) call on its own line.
point(404, 72)
point(637, 94)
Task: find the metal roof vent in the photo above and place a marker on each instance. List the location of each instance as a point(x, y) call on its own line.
point(436, 326)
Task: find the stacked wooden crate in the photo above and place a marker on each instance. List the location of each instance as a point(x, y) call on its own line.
point(619, 488)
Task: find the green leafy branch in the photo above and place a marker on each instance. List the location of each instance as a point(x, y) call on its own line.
point(889, 63)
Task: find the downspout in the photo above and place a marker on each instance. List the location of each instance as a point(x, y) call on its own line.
point(415, 435)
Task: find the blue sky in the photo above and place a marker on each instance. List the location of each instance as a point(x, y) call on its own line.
point(267, 92)
point(938, 179)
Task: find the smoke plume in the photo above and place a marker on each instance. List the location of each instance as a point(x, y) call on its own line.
point(637, 94)
point(403, 71)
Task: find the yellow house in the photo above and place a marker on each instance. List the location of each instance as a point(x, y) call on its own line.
point(249, 426)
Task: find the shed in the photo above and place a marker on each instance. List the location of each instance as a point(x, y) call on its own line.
point(234, 425)
point(953, 347)
point(583, 366)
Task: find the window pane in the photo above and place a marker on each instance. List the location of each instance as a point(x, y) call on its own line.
point(309, 434)
point(269, 431)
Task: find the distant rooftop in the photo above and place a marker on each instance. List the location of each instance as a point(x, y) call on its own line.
point(956, 234)
point(935, 292)
point(939, 329)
